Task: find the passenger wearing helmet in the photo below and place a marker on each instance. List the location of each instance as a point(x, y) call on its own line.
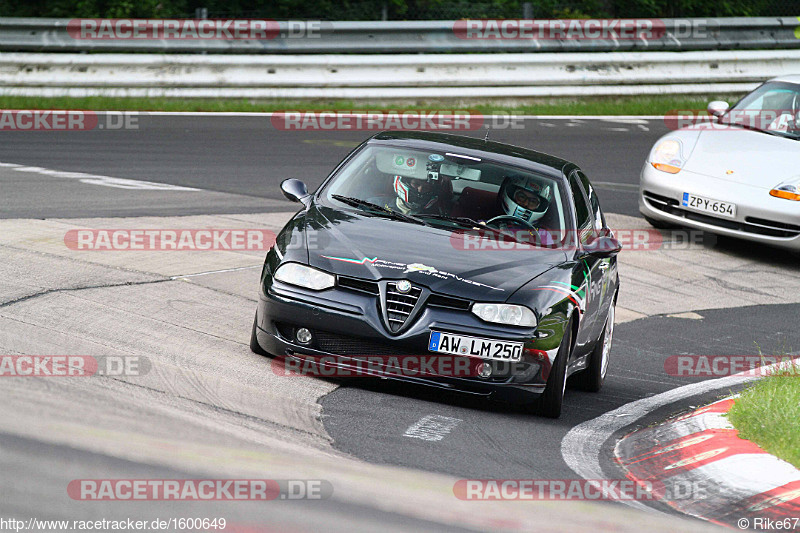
point(525, 199)
point(418, 196)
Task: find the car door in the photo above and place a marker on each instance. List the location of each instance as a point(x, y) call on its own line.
point(590, 270)
point(607, 267)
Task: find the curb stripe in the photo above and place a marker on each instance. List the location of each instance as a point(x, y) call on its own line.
point(702, 449)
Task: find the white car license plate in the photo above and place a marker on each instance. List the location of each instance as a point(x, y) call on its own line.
point(707, 205)
point(475, 347)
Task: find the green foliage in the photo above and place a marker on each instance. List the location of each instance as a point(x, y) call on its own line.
point(606, 105)
point(394, 9)
point(769, 414)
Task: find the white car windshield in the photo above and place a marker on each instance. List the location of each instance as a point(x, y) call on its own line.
point(772, 108)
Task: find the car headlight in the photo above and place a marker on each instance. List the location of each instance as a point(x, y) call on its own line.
point(667, 156)
point(789, 190)
point(513, 315)
point(304, 276)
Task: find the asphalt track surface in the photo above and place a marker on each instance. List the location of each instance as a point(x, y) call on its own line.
point(239, 160)
point(236, 163)
point(497, 441)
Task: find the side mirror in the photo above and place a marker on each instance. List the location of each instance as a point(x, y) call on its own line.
point(296, 191)
point(604, 246)
point(717, 108)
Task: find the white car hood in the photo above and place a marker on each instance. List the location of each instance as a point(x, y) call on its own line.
point(757, 159)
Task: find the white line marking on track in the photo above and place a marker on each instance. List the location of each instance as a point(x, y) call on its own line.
point(215, 272)
point(581, 446)
point(688, 316)
point(632, 187)
point(95, 179)
point(637, 119)
point(432, 427)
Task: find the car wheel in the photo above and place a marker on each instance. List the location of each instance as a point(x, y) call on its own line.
point(552, 398)
point(254, 346)
point(658, 224)
point(592, 378)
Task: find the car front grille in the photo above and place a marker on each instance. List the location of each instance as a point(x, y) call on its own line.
point(361, 348)
point(450, 302)
point(779, 229)
point(758, 226)
point(355, 284)
point(339, 344)
point(355, 346)
point(399, 305)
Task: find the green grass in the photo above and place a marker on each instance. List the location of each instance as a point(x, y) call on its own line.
point(768, 414)
point(624, 105)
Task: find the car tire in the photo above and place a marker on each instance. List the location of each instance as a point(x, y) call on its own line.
point(658, 224)
point(254, 346)
point(592, 378)
point(551, 400)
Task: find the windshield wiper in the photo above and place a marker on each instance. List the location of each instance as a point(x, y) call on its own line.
point(466, 221)
point(358, 202)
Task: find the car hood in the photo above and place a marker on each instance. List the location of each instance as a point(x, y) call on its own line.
point(757, 159)
point(369, 247)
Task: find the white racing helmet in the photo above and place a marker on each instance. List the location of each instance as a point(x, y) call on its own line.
point(524, 198)
point(409, 199)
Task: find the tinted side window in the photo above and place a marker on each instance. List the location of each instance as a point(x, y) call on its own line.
point(598, 221)
point(581, 209)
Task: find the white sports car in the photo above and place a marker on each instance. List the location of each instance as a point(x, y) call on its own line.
point(737, 174)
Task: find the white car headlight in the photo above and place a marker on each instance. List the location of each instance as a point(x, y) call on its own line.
point(789, 190)
point(513, 315)
point(304, 276)
point(667, 156)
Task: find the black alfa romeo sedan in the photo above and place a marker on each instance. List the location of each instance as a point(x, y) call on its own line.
point(425, 247)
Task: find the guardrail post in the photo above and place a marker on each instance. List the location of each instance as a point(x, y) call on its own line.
point(527, 10)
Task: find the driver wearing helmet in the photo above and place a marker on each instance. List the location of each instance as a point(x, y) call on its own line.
point(423, 196)
point(524, 199)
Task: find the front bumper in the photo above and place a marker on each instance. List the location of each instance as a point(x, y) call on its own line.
point(347, 328)
point(759, 216)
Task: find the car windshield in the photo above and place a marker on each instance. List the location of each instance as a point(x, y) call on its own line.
point(773, 108)
point(451, 190)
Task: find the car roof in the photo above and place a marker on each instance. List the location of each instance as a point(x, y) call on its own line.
point(789, 78)
point(476, 147)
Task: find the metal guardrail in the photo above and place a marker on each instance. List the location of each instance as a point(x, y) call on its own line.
point(50, 35)
point(398, 76)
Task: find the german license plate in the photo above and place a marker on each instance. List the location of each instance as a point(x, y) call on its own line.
point(707, 205)
point(467, 346)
